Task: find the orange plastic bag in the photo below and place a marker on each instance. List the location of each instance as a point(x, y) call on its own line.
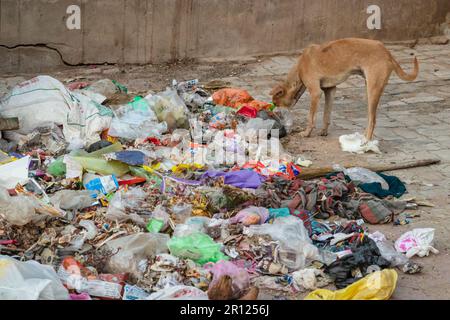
point(379, 285)
point(232, 97)
point(259, 105)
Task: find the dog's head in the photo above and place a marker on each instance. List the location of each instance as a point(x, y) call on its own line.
point(283, 96)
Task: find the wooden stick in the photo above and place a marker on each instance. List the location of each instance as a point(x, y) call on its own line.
point(9, 124)
point(311, 173)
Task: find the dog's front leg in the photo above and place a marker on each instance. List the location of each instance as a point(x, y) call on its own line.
point(329, 96)
point(315, 98)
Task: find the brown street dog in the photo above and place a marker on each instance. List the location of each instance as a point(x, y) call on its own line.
point(323, 67)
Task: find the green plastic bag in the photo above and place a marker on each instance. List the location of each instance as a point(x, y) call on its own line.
point(198, 247)
point(57, 168)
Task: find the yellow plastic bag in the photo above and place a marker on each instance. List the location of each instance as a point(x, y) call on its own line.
point(379, 285)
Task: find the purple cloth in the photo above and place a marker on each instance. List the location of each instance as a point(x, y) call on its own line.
point(239, 179)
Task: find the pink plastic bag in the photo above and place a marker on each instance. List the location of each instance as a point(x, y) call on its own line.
point(240, 277)
point(251, 215)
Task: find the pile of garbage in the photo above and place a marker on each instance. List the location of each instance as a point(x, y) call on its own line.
point(182, 194)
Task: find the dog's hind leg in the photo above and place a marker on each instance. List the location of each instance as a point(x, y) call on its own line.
point(314, 91)
point(329, 97)
point(376, 81)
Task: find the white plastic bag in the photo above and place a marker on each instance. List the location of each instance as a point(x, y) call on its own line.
point(307, 278)
point(416, 242)
point(179, 293)
point(29, 281)
point(357, 143)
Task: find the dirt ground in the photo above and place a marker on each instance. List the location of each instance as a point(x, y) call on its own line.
point(413, 123)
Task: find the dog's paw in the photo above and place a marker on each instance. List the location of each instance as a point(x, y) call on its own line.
point(305, 134)
point(323, 133)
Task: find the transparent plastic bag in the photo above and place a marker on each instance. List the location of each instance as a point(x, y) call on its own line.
point(363, 175)
point(133, 251)
point(170, 108)
point(72, 199)
point(132, 123)
point(190, 226)
point(285, 117)
point(19, 210)
point(182, 212)
point(125, 205)
point(296, 246)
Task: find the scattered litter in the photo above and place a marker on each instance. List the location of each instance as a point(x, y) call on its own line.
point(185, 194)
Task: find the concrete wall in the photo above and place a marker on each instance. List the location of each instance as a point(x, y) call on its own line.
point(34, 36)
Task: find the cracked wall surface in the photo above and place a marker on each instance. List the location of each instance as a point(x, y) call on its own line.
point(34, 35)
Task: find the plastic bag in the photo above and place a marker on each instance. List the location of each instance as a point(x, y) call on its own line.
point(159, 220)
point(388, 251)
point(379, 285)
point(357, 143)
point(19, 210)
point(190, 226)
point(179, 293)
point(127, 205)
point(104, 87)
point(72, 199)
point(198, 247)
point(101, 166)
point(134, 123)
point(240, 277)
point(363, 175)
point(133, 252)
point(232, 97)
point(182, 212)
point(29, 281)
point(170, 108)
point(286, 119)
point(296, 246)
point(416, 242)
point(307, 278)
point(251, 215)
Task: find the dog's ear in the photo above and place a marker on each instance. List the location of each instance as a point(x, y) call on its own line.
point(278, 91)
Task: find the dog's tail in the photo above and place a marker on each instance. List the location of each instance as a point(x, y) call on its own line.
point(402, 74)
